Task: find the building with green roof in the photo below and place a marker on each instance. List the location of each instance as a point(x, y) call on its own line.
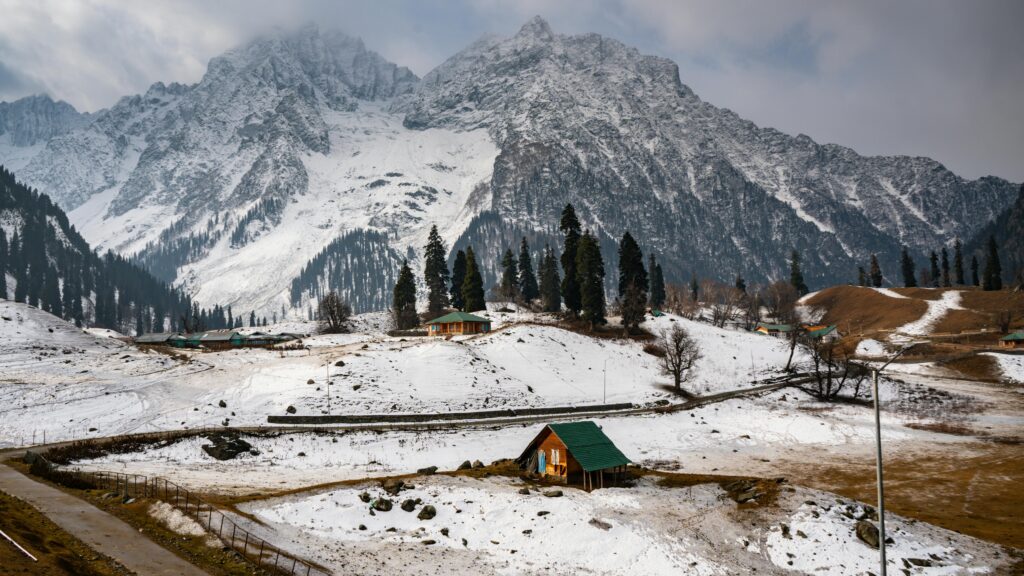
point(576, 453)
point(1012, 340)
point(456, 323)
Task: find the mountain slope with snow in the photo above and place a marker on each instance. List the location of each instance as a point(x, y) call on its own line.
point(230, 186)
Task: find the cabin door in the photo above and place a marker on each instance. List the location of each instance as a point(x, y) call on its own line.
point(542, 465)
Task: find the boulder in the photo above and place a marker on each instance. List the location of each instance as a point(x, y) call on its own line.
point(365, 497)
point(393, 486)
point(427, 512)
point(543, 513)
point(227, 447)
point(465, 466)
point(601, 524)
point(867, 533)
point(222, 404)
point(290, 409)
point(429, 470)
point(478, 464)
point(382, 504)
point(553, 493)
point(408, 505)
point(525, 491)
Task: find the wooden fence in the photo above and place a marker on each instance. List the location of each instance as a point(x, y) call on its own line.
point(252, 548)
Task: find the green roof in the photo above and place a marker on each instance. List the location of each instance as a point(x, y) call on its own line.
point(588, 445)
point(820, 332)
point(1014, 336)
point(458, 317)
point(776, 327)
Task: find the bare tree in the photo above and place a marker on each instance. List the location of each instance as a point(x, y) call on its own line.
point(333, 313)
point(781, 301)
point(832, 369)
point(724, 301)
point(752, 302)
point(679, 302)
point(681, 353)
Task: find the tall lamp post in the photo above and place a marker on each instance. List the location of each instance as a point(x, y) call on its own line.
point(328, 388)
point(878, 453)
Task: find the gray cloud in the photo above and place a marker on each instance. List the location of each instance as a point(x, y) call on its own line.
point(937, 78)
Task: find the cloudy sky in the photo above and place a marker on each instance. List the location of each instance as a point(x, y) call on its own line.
point(938, 78)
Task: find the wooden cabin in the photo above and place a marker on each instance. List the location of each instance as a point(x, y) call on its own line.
point(1013, 340)
point(457, 323)
point(576, 453)
point(777, 330)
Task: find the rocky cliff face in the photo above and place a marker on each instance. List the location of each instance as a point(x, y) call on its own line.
point(37, 119)
point(231, 185)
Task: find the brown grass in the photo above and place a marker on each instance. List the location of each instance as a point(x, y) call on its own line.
point(59, 553)
point(978, 367)
point(858, 310)
point(975, 493)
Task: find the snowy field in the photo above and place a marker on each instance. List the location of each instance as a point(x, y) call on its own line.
point(488, 526)
point(66, 383)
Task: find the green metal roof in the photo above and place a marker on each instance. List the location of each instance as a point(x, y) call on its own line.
point(458, 317)
point(776, 327)
point(589, 446)
point(1014, 336)
point(820, 332)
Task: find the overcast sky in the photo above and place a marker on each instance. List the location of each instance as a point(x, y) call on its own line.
point(937, 78)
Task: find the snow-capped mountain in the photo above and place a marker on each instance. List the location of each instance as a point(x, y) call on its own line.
point(232, 185)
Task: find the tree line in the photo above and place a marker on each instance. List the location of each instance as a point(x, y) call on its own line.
point(573, 278)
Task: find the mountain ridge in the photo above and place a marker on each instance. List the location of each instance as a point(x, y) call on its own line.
point(335, 139)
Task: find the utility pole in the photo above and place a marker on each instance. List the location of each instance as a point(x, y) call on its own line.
point(604, 378)
point(328, 387)
point(878, 455)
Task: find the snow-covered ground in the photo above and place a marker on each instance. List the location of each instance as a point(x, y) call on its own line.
point(936, 310)
point(71, 384)
point(644, 529)
point(1012, 366)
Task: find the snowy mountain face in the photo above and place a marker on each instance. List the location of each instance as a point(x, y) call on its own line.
point(232, 185)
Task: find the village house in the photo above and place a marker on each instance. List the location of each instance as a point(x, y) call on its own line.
point(814, 331)
point(1014, 340)
point(457, 323)
point(576, 453)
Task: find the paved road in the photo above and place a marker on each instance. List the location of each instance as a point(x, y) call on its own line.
point(100, 531)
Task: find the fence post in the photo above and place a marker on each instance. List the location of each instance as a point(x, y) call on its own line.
point(245, 546)
point(259, 559)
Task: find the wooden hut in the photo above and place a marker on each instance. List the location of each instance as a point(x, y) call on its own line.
point(457, 323)
point(1014, 340)
point(777, 330)
point(576, 453)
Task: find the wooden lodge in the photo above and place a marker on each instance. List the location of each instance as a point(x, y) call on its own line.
point(1014, 340)
point(576, 453)
point(458, 323)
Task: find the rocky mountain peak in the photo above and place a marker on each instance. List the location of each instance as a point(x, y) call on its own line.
point(37, 118)
point(536, 28)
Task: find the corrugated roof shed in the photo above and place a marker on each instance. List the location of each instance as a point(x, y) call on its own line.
point(1015, 336)
point(458, 317)
point(589, 446)
point(154, 338)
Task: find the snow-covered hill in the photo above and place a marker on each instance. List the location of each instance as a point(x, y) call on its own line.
point(230, 186)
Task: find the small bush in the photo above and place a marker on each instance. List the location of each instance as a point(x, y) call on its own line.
point(654, 350)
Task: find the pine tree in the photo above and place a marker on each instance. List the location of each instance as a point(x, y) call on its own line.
point(657, 284)
point(694, 289)
point(934, 274)
point(528, 288)
point(631, 266)
point(796, 275)
point(435, 272)
point(862, 277)
point(509, 286)
point(473, 285)
point(252, 318)
point(50, 296)
point(875, 272)
point(975, 281)
point(907, 264)
point(3, 264)
point(590, 278)
point(741, 284)
point(140, 324)
point(992, 277)
point(403, 303)
point(550, 283)
point(458, 277)
point(570, 226)
point(958, 263)
point(946, 282)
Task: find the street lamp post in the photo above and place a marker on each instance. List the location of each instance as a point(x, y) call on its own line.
point(604, 383)
point(878, 455)
point(328, 388)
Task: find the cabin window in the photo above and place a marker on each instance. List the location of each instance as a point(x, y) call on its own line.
point(554, 456)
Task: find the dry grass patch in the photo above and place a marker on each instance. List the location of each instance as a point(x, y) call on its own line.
point(978, 367)
point(859, 310)
point(59, 553)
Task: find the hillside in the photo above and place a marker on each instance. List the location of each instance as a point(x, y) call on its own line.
point(46, 263)
point(1008, 230)
point(232, 186)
